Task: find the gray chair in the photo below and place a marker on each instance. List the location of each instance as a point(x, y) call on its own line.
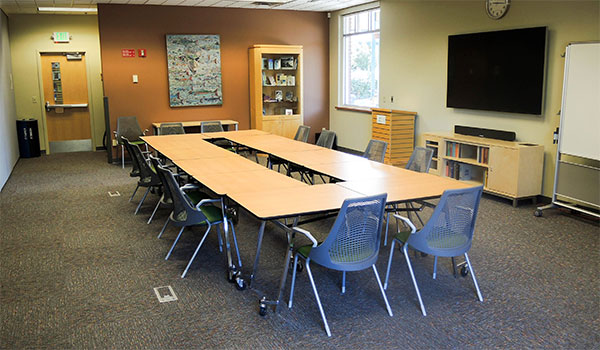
point(419, 161)
point(171, 129)
point(190, 209)
point(129, 128)
point(352, 245)
point(326, 139)
point(301, 135)
point(216, 126)
point(448, 233)
point(376, 151)
point(148, 176)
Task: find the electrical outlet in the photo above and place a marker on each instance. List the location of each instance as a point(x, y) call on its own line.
point(33, 99)
point(114, 142)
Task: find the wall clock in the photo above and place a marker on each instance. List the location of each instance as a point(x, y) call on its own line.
point(496, 9)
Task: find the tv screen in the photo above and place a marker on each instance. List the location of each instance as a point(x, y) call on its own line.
point(497, 71)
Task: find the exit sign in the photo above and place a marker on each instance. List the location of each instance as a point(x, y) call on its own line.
point(61, 37)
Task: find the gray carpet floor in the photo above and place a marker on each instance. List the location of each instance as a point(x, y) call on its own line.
point(77, 271)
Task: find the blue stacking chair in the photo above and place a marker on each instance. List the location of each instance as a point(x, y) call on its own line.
point(189, 210)
point(448, 233)
point(352, 245)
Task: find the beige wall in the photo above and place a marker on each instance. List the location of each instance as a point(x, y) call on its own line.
point(414, 37)
point(9, 149)
point(29, 35)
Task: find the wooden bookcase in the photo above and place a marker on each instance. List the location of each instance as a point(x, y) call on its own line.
point(397, 128)
point(276, 103)
point(508, 169)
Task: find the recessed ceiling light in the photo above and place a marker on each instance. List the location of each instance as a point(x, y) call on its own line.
point(69, 9)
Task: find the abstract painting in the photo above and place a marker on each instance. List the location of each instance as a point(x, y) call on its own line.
point(194, 66)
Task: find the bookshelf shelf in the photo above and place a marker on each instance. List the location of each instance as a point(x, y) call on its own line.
point(276, 103)
point(508, 169)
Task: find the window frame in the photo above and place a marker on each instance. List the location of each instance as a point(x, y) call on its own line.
point(373, 26)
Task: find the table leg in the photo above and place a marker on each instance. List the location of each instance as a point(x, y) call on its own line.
point(261, 232)
point(233, 273)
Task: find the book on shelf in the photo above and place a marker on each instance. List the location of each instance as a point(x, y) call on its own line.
point(278, 95)
point(277, 63)
point(289, 96)
point(291, 80)
point(271, 81)
point(281, 79)
point(264, 79)
point(270, 63)
point(287, 63)
point(265, 63)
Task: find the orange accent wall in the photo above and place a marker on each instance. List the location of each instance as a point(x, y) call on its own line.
point(144, 27)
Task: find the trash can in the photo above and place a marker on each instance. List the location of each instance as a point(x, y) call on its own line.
point(29, 140)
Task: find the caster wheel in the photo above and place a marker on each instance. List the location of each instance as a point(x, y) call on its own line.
point(232, 215)
point(262, 307)
point(537, 213)
point(299, 268)
point(240, 284)
point(464, 271)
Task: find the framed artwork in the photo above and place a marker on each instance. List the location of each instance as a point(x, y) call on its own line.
point(194, 68)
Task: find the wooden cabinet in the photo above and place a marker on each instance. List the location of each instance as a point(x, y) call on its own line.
point(508, 169)
point(397, 128)
point(276, 103)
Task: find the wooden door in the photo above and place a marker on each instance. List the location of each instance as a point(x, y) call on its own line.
point(65, 83)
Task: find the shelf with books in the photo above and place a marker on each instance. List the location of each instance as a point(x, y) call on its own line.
point(276, 103)
point(504, 168)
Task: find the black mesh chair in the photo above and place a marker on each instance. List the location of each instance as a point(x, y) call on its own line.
point(216, 126)
point(352, 245)
point(326, 139)
point(171, 129)
point(419, 161)
point(301, 135)
point(376, 151)
point(129, 128)
point(448, 233)
point(148, 176)
point(190, 209)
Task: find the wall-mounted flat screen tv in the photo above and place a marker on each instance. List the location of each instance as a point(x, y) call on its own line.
point(497, 71)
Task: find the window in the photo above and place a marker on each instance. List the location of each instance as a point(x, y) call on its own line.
point(360, 77)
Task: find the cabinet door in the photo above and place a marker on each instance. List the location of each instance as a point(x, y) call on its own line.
point(272, 125)
point(503, 170)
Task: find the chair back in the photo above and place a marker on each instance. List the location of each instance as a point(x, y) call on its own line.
point(353, 242)
point(148, 176)
point(302, 133)
point(420, 160)
point(129, 128)
point(449, 231)
point(168, 196)
point(376, 151)
point(171, 129)
point(135, 167)
point(326, 139)
point(211, 126)
point(184, 210)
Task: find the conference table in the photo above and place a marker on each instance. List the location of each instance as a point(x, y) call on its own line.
point(271, 196)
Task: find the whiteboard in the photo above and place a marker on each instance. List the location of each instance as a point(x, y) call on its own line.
point(580, 112)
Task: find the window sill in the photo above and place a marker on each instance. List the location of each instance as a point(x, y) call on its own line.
point(354, 109)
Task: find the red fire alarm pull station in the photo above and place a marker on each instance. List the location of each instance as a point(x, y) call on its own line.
point(142, 52)
point(128, 52)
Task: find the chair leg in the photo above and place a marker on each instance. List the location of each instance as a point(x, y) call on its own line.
point(196, 252)
point(237, 250)
point(453, 267)
point(387, 274)
point(474, 279)
point(343, 282)
point(134, 192)
point(434, 266)
point(412, 275)
point(387, 304)
point(314, 287)
point(123, 156)
point(155, 209)
point(174, 243)
point(220, 239)
point(417, 214)
point(165, 226)
point(142, 201)
point(293, 281)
